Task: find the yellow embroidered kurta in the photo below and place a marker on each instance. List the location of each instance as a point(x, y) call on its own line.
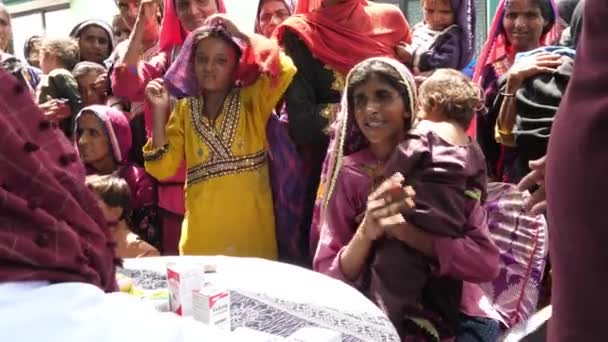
point(229, 208)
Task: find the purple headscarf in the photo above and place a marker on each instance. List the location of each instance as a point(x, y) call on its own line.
point(464, 11)
point(51, 228)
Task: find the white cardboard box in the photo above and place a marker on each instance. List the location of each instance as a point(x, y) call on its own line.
point(182, 280)
point(211, 305)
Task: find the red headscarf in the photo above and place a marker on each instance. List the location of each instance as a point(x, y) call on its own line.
point(347, 33)
point(50, 227)
point(171, 31)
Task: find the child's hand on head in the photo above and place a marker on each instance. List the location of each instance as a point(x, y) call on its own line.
point(222, 19)
point(101, 83)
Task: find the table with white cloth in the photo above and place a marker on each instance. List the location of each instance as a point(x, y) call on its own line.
point(278, 298)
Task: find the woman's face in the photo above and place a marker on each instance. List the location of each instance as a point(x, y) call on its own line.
point(90, 93)
point(438, 14)
point(94, 44)
point(523, 24)
point(34, 54)
point(93, 144)
point(215, 62)
point(5, 30)
point(192, 13)
point(128, 11)
point(272, 14)
point(379, 111)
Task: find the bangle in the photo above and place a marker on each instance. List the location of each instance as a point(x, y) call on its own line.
point(505, 94)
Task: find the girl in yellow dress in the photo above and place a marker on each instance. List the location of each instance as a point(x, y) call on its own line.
point(227, 83)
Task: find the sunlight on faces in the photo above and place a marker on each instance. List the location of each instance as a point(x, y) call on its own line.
point(215, 63)
point(193, 13)
point(438, 14)
point(523, 24)
point(94, 44)
point(93, 144)
point(379, 110)
point(272, 14)
point(89, 93)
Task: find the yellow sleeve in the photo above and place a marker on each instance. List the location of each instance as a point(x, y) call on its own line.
point(163, 162)
point(503, 136)
point(265, 93)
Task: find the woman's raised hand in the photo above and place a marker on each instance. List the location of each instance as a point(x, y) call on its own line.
point(525, 68)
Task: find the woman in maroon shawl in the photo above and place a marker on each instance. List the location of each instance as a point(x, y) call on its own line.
point(577, 163)
point(325, 39)
point(130, 77)
point(103, 140)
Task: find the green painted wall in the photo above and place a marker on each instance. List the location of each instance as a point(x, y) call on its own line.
point(492, 4)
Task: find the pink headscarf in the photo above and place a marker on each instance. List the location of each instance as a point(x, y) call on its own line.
point(116, 127)
point(496, 46)
point(50, 228)
point(171, 31)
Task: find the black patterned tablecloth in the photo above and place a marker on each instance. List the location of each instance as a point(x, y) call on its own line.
point(283, 317)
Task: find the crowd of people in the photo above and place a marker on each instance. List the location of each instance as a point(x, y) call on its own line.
point(336, 137)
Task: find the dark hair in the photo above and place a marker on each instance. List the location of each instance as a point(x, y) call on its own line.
point(546, 11)
point(113, 190)
point(65, 49)
point(377, 69)
point(451, 93)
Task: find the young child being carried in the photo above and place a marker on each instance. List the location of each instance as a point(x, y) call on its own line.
point(447, 170)
point(444, 39)
point(57, 58)
point(113, 197)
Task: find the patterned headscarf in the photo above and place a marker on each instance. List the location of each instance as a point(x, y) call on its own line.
point(261, 55)
point(496, 44)
point(348, 137)
point(50, 228)
point(291, 7)
point(116, 127)
point(171, 31)
point(465, 18)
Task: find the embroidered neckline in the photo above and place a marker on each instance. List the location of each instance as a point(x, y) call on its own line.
point(219, 141)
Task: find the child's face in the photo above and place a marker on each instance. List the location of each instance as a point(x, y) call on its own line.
point(47, 62)
point(89, 91)
point(214, 64)
point(379, 111)
point(438, 14)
